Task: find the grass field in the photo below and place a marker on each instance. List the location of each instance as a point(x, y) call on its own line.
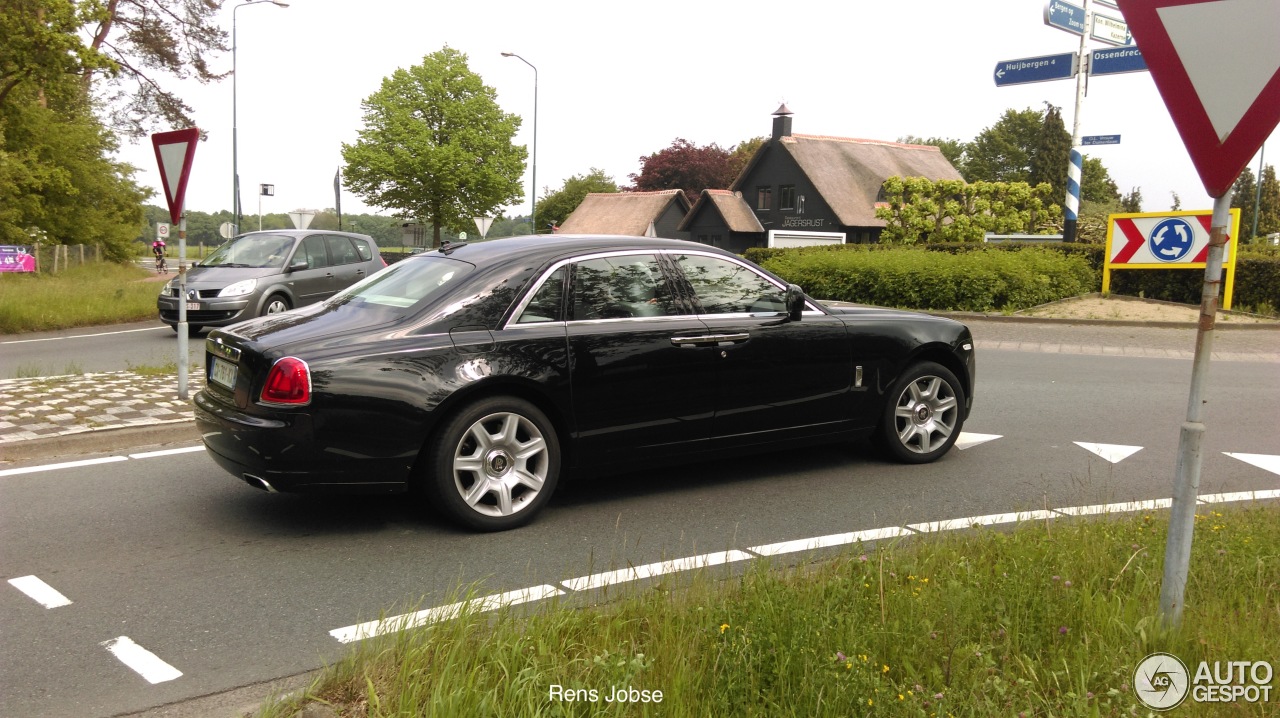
point(1049, 619)
point(92, 294)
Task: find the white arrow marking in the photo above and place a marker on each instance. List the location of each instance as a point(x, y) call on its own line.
point(967, 440)
point(1115, 453)
point(1266, 462)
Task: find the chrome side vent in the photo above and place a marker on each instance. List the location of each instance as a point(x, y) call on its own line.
point(857, 377)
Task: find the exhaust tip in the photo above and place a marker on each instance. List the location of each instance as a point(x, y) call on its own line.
point(259, 483)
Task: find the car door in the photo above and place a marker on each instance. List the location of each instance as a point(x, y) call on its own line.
point(775, 378)
point(347, 267)
point(314, 283)
point(639, 388)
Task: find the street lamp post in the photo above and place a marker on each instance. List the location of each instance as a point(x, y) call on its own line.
point(235, 172)
point(533, 194)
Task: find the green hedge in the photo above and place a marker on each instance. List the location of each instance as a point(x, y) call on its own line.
point(1257, 285)
point(977, 281)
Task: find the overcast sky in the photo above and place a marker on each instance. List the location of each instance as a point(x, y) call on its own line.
point(617, 81)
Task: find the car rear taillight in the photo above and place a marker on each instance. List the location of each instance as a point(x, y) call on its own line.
point(288, 382)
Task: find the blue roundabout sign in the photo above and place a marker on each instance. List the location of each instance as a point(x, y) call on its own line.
point(1170, 240)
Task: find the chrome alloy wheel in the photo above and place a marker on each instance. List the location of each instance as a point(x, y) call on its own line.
point(276, 305)
point(926, 414)
point(500, 464)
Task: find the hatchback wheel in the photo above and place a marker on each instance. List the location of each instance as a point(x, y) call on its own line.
point(276, 304)
point(494, 464)
point(925, 414)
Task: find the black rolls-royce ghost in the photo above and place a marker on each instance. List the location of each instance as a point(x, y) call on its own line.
point(477, 374)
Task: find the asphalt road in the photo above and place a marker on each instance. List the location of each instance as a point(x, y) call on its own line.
point(93, 349)
point(232, 587)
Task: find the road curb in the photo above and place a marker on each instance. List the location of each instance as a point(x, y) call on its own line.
point(102, 440)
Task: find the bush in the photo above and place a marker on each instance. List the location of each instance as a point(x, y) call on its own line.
point(976, 281)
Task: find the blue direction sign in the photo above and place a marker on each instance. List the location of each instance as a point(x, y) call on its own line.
point(1115, 60)
point(1064, 16)
point(1036, 69)
point(1100, 140)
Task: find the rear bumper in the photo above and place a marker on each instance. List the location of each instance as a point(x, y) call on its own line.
point(279, 453)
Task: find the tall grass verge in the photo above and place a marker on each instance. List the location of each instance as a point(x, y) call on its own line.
point(1040, 620)
point(103, 293)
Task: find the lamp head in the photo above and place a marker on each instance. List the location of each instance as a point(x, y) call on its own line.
point(508, 54)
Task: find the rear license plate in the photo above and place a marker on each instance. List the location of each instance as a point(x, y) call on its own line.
point(223, 372)
point(193, 306)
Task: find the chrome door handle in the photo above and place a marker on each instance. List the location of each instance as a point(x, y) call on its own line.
point(710, 339)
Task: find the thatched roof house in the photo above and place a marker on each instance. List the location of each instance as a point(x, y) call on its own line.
point(809, 189)
point(643, 214)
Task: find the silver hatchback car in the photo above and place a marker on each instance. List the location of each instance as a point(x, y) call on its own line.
point(267, 272)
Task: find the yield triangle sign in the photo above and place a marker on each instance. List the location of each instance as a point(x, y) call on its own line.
point(174, 151)
point(1217, 66)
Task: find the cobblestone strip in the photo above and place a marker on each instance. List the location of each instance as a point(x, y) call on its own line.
point(58, 406)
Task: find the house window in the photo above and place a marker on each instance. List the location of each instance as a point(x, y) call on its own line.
point(715, 241)
point(787, 196)
point(764, 197)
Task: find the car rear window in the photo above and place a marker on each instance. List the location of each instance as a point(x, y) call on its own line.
point(363, 248)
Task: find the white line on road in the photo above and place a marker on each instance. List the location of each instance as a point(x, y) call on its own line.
point(63, 465)
point(649, 570)
point(41, 592)
point(811, 544)
point(147, 664)
point(361, 631)
point(167, 452)
point(82, 336)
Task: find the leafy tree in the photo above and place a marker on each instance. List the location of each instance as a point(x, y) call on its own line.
point(1177, 202)
point(1132, 202)
point(1002, 152)
point(557, 205)
point(42, 45)
point(1051, 153)
point(953, 150)
point(435, 145)
point(917, 209)
point(1096, 184)
point(1269, 207)
point(149, 42)
point(685, 166)
point(740, 154)
point(1242, 194)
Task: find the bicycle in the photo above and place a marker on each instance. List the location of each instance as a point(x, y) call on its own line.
point(161, 266)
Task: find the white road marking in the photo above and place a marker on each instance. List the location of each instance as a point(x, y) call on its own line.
point(812, 544)
point(167, 452)
point(83, 336)
point(144, 662)
point(968, 440)
point(1265, 462)
point(1240, 496)
point(361, 631)
point(649, 570)
point(39, 591)
point(987, 520)
point(63, 465)
point(1126, 507)
point(1115, 453)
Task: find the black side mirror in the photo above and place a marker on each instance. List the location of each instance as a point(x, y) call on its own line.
point(795, 302)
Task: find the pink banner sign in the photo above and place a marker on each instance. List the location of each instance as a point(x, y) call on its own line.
point(16, 259)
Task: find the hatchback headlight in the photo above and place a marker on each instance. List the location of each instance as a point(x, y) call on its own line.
point(239, 289)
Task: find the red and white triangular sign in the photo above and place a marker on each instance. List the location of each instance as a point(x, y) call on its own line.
point(1217, 66)
point(174, 151)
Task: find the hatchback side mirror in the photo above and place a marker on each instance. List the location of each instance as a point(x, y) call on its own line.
point(298, 266)
point(795, 302)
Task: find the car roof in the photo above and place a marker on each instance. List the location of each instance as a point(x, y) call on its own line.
point(301, 233)
point(555, 245)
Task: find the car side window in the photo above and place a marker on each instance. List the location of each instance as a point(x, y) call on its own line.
point(723, 286)
point(547, 304)
point(313, 251)
point(621, 287)
point(362, 247)
point(341, 251)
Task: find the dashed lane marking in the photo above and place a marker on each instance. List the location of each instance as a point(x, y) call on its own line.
point(144, 662)
point(39, 591)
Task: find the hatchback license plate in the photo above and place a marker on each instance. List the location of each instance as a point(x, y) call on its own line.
point(224, 373)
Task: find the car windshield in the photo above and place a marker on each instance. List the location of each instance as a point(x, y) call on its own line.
point(405, 283)
point(254, 250)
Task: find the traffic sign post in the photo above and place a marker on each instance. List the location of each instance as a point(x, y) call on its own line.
point(1190, 46)
point(1036, 69)
point(1166, 240)
point(174, 153)
point(1065, 16)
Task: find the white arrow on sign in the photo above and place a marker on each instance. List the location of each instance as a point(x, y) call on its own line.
point(968, 440)
point(1115, 453)
point(1262, 461)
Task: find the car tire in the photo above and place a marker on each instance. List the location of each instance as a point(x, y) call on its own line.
point(275, 304)
point(923, 415)
point(493, 464)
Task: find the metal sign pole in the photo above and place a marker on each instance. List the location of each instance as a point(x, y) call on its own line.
point(1075, 166)
point(182, 307)
point(1186, 487)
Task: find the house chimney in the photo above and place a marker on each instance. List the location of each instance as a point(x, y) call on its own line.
point(781, 122)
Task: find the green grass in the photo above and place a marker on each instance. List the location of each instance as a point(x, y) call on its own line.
point(92, 294)
point(1048, 619)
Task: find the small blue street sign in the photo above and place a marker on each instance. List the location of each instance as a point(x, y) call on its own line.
point(1064, 16)
point(1036, 69)
point(1100, 140)
point(1115, 60)
point(1170, 240)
